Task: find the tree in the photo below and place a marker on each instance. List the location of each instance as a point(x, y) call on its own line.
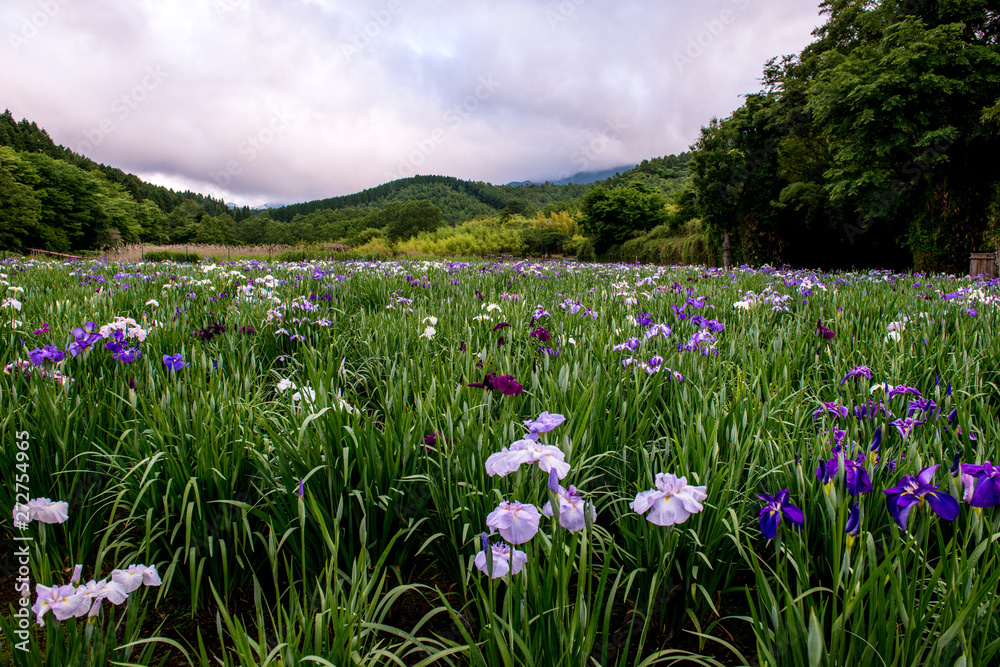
point(612, 215)
point(403, 220)
point(20, 211)
point(904, 118)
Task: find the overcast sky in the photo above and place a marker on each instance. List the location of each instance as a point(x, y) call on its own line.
point(283, 101)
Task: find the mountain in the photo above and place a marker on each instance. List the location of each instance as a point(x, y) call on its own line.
point(581, 177)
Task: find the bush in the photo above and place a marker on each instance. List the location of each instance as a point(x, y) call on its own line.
point(169, 256)
point(585, 251)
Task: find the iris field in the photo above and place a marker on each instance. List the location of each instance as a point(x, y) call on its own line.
point(414, 463)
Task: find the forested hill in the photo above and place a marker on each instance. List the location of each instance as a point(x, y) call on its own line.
point(55, 199)
point(461, 200)
point(27, 137)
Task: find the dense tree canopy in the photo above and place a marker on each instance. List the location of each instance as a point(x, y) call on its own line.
point(612, 215)
point(872, 147)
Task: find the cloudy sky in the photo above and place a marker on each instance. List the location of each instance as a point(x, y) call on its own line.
point(282, 101)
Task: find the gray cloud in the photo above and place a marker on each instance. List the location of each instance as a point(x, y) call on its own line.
point(259, 100)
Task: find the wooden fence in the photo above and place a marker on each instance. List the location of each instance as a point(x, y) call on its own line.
point(49, 253)
point(983, 264)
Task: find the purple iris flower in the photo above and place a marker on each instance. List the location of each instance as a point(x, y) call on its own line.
point(545, 423)
point(876, 445)
point(541, 334)
point(823, 332)
point(644, 319)
point(51, 353)
point(853, 526)
point(900, 389)
point(956, 468)
point(831, 408)
point(870, 409)
point(920, 405)
point(500, 326)
point(697, 302)
point(631, 344)
point(505, 384)
point(982, 484)
point(128, 355)
point(86, 336)
point(174, 362)
point(905, 426)
point(827, 469)
point(775, 509)
point(913, 491)
point(857, 371)
point(856, 476)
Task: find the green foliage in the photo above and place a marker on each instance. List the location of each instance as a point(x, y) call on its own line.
point(872, 147)
point(403, 220)
point(474, 238)
point(21, 208)
point(613, 215)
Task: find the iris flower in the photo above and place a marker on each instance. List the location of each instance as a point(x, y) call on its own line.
point(905, 426)
point(529, 451)
point(775, 509)
point(517, 522)
point(43, 510)
point(891, 392)
point(673, 501)
point(40, 355)
point(174, 362)
point(920, 405)
point(644, 319)
point(545, 423)
point(862, 371)
point(541, 334)
point(505, 384)
point(572, 507)
point(823, 332)
point(853, 526)
point(913, 491)
point(831, 408)
point(505, 560)
point(982, 484)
